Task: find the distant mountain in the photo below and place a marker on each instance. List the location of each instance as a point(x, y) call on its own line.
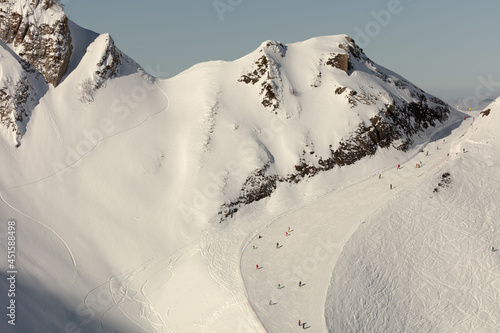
point(464, 103)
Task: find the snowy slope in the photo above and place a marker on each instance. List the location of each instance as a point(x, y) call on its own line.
point(137, 200)
point(419, 260)
point(423, 261)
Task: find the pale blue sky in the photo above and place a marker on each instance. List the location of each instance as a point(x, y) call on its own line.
point(443, 46)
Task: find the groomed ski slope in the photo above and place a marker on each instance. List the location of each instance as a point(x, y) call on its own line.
point(406, 260)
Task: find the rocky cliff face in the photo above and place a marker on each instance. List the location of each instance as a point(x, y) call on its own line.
point(21, 87)
point(15, 96)
point(38, 31)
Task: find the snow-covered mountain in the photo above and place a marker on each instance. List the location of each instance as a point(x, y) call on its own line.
point(135, 198)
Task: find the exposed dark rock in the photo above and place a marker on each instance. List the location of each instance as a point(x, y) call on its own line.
point(340, 61)
point(258, 185)
point(444, 182)
point(394, 127)
point(108, 67)
point(340, 90)
point(266, 71)
point(15, 101)
point(485, 112)
point(46, 47)
point(261, 68)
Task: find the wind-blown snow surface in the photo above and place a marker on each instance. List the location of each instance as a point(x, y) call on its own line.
point(114, 196)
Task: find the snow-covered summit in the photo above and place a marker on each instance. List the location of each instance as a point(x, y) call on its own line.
point(334, 104)
point(102, 61)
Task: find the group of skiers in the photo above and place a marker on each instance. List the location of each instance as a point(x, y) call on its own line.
point(287, 233)
point(417, 165)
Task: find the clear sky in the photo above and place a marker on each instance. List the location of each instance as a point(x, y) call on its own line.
point(450, 48)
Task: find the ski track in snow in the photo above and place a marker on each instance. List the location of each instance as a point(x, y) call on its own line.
point(126, 297)
point(42, 224)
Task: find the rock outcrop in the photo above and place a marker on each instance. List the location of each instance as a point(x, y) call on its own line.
point(38, 31)
point(107, 66)
point(266, 71)
point(21, 87)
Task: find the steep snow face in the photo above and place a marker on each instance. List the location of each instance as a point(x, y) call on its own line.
point(38, 31)
point(21, 87)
